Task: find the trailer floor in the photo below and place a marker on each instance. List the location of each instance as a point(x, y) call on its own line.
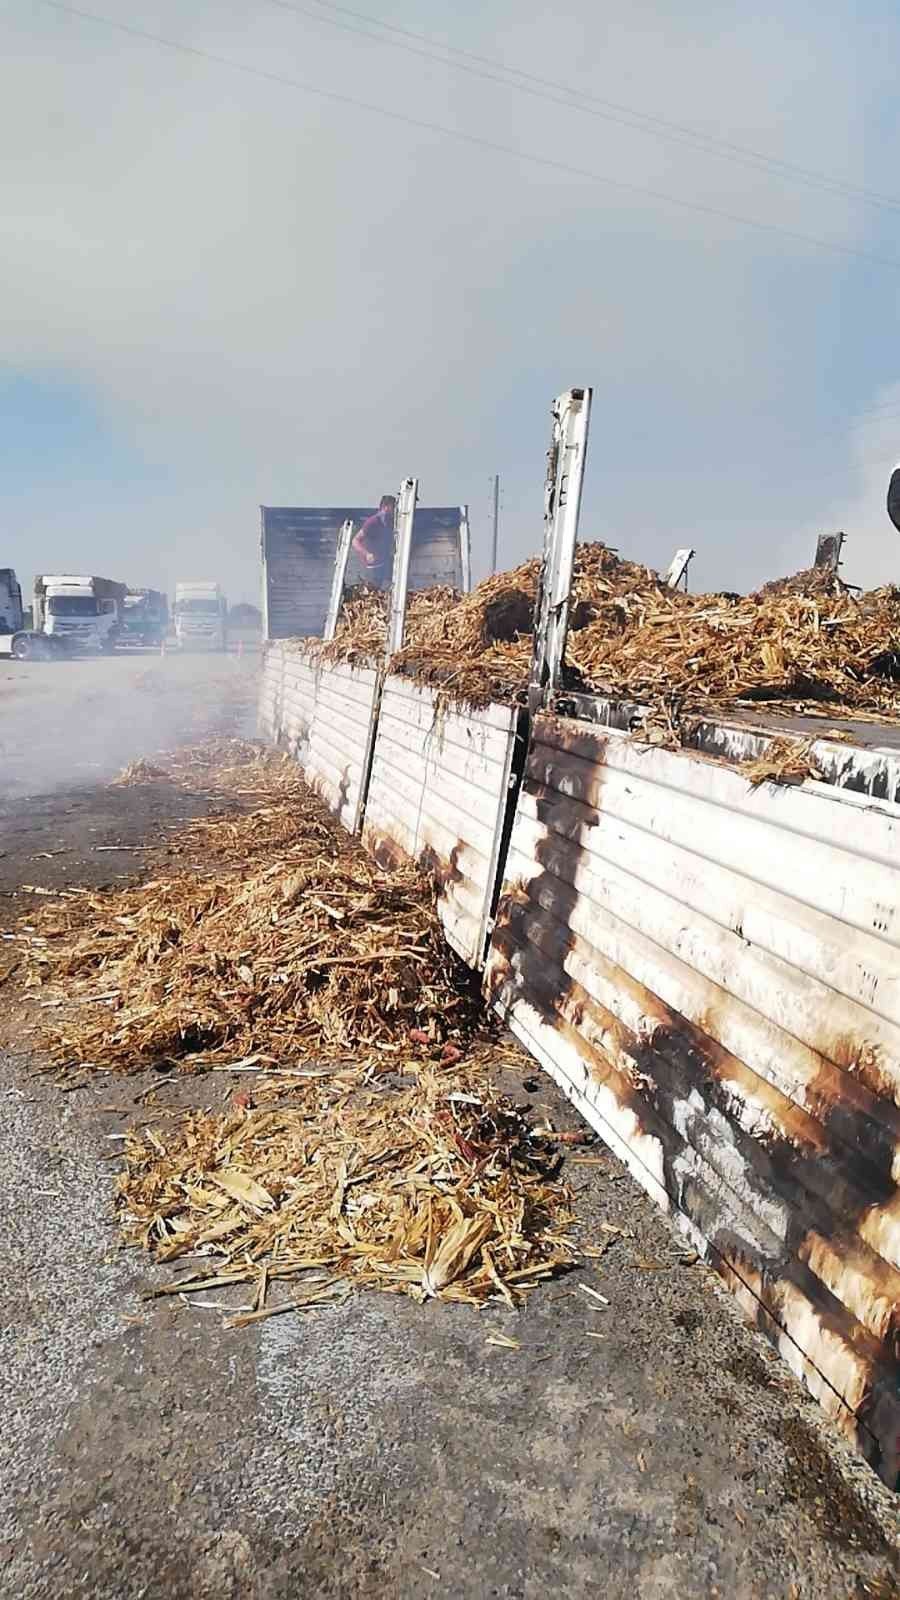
point(655, 1447)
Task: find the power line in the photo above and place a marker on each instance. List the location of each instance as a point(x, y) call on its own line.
point(549, 163)
point(588, 104)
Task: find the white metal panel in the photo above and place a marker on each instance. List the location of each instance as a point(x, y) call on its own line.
point(325, 716)
point(438, 793)
point(287, 698)
point(710, 972)
point(340, 740)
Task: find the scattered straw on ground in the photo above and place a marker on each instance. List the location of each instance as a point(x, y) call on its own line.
point(292, 942)
point(370, 1146)
point(136, 773)
point(438, 1187)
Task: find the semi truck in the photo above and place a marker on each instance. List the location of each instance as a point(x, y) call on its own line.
point(12, 616)
point(145, 618)
point(201, 612)
point(15, 638)
point(85, 612)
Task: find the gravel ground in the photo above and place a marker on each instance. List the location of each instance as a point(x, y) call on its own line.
point(378, 1448)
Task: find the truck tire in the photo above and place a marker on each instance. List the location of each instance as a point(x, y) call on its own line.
point(22, 648)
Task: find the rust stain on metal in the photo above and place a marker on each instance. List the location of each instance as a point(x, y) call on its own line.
point(821, 1175)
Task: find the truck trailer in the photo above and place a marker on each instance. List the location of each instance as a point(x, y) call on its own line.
point(16, 639)
point(200, 610)
point(86, 612)
point(145, 618)
point(12, 616)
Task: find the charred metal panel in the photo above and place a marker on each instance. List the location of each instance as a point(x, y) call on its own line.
point(864, 759)
point(711, 973)
point(300, 544)
point(438, 794)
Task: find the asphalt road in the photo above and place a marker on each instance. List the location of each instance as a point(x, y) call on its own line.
point(654, 1448)
point(71, 722)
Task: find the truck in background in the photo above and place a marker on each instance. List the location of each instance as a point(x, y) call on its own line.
point(17, 637)
point(84, 611)
point(12, 617)
point(145, 618)
point(201, 613)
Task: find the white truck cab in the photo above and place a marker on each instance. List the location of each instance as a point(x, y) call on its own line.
point(85, 611)
point(201, 612)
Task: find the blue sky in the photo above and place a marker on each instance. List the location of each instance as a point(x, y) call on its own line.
point(218, 291)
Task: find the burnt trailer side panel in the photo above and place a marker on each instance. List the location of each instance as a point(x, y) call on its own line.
point(710, 972)
point(299, 547)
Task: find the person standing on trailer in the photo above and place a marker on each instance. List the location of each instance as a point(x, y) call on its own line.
point(374, 543)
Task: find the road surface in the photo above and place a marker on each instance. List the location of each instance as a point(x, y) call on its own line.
point(655, 1448)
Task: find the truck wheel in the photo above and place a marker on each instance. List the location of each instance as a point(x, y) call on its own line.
point(21, 649)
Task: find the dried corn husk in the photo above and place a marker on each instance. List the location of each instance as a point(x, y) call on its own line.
point(370, 1184)
point(804, 641)
point(784, 761)
point(291, 941)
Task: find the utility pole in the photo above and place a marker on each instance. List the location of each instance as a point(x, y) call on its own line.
point(496, 522)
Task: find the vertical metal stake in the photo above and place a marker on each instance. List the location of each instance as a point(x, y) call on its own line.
point(465, 550)
point(338, 578)
point(562, 506)
point(404, 517)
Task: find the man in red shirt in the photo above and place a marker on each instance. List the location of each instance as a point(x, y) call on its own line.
point(374, 543)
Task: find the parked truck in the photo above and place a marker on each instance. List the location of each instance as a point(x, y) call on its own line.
point(145, 618)
point(17, 637)
point(12, 617)
point(201, 612)
point(85, 612)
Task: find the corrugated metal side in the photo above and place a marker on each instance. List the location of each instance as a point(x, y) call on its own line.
point(287, 699)
point(298, 547)
point(435, 557)
point(299, 544)
point(325, 717)
point(437, 794)
point(711, 973)
point(343, 727)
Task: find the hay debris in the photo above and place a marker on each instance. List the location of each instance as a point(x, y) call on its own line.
point(784, 761)
point(136, 773)
point(802, 642)
point(440, 1189)
point(290, 941)
point(392, 1162)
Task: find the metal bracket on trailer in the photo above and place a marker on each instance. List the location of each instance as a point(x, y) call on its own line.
point(338, 578)
point(404, 517)
point(562, 505)
point(465, 550)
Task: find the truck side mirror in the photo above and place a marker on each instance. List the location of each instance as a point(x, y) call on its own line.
point(893, 498)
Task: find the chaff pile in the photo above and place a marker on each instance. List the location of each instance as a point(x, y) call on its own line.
point(476, 647)
point(440, 1188)
point(782, 644)
point(370, 1146)
point(291, 943)
point(804, 640)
